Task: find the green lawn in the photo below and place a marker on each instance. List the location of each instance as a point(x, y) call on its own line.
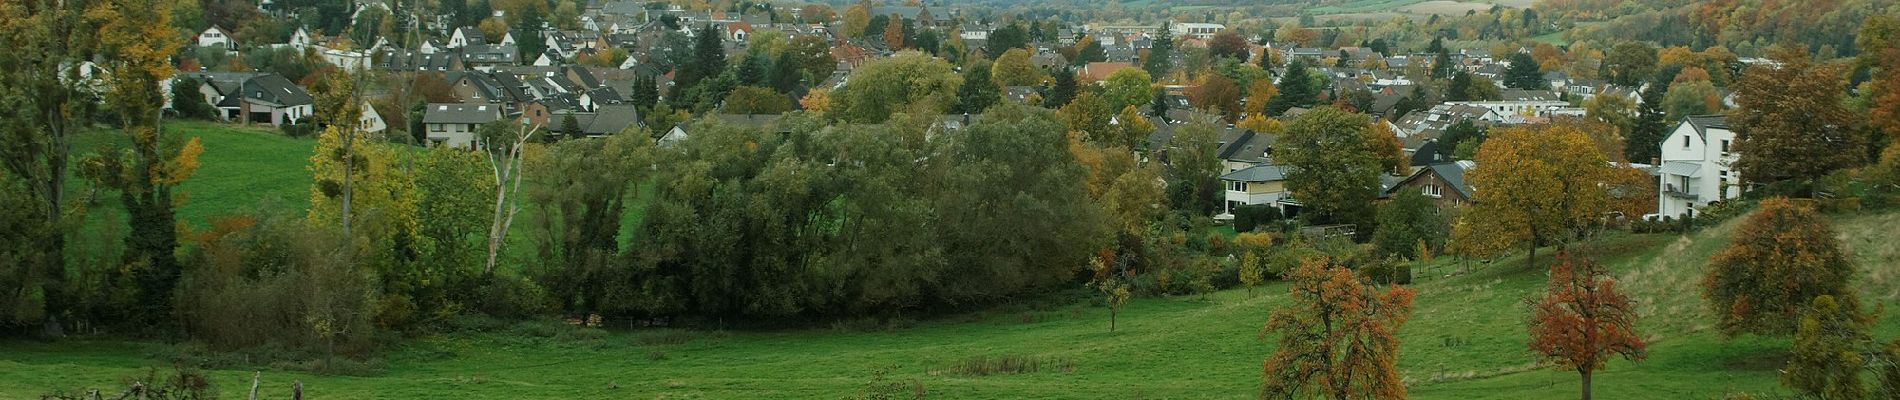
point(1466, 338)
point(242, 169)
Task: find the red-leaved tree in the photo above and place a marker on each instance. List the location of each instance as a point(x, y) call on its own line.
point(1583, 321)
point(1337, 338)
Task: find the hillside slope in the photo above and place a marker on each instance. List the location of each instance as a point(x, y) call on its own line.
point(1466, 340)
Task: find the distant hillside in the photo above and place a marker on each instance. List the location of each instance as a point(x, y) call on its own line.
point(1745, 26)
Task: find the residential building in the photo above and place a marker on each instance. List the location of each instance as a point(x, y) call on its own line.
point(1262, 184)
point(1443, 183)
point(1522, 103)
point(217, 37)
point(455, 124)
point(1697, 166)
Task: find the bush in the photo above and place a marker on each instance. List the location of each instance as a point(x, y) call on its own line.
point(1249, 217)
point(511, 297)
point(1390, 270)
point(275, 282)
point(298, 129)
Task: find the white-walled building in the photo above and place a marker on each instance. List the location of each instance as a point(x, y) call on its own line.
point(1697, 166)
point(455, 124)
point(217, 37)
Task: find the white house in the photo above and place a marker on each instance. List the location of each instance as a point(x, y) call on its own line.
point(1197, 30)
point(455, 124)
point(1697, 166)
point(464, 37)
point(300, 39)
point(371, 121)
point(217, 37)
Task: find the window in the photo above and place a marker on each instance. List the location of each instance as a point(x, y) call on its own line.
point(1431, 190)
point(1685, 142)
point(1237, 186)
point(1725, 147)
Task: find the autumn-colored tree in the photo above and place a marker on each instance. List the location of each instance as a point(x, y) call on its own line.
point(1013, 68)
point(894, 36)
point(1131, 128)
point(1262, 124)
point(756, 100)
point(1229, 44)
point(1218, 95)
point(1791, 123)
point(1337, 338)
point(1583, 320)
point(1259, 93)
point(136, 45)
point(1541, 185)
point(1112, 282)
point(1691, 98)
point(1089, 115)
point(1385, 144)
point(1781, 258)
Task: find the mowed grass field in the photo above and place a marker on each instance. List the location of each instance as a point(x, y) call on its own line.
point(1466, 340)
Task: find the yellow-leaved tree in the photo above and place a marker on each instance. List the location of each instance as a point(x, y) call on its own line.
point(1533, 186)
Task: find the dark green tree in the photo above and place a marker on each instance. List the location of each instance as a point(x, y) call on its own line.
point(1460, 87)
point(1160, 53)
point(1159, 108)
point(1456, 136)
point(1524, 73)
point(1009, 36)
point(1645, 140)
point(532, 41)
point(1407, 221)
point(1296, 89)
point(977, 92)
point(188, 102)
point(1063, 91)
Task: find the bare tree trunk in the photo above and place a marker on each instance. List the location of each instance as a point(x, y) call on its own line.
point(507, 172)
point(53, 262)
point(254, 376)
point(1586, 382)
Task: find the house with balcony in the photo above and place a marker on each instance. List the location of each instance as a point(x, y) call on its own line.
point(1261, 184)
point(1697, 166)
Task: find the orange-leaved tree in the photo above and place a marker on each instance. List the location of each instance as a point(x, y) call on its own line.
point(1583, 321)
point(1337, 338)
point(1780, 259)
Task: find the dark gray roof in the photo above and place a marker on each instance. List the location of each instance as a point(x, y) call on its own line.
point(504, 54)
point(1245, 145)
point(448, 113)
point(1257, 173)
point(275, 89)
point(1452, 172)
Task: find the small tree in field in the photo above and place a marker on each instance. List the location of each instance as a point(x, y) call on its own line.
point(1110, 282)
point(1253, 271)
point(1336, 339)
point(1828, 355)
point(1781, 258)
point(1583, 321)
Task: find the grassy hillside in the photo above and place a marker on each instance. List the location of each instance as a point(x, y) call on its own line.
point(242, 169)
point(1466, 340)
